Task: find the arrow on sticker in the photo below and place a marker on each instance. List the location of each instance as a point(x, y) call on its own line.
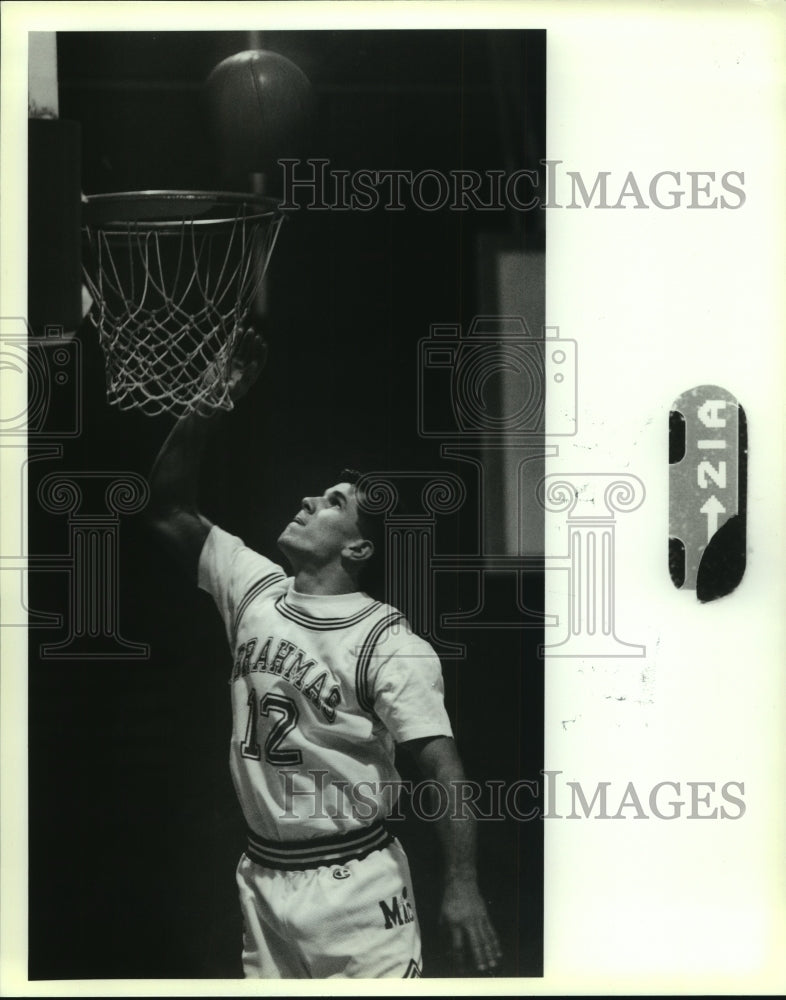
point(712, 508)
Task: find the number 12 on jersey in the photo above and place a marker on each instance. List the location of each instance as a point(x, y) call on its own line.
point(285, 715)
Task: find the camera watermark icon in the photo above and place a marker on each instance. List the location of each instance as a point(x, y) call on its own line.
point(42, 389)
point(40, 405)
point(482, 395)
point(41, 411)
point(492, 381)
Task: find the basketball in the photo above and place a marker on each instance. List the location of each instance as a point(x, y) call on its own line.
point(259, 105)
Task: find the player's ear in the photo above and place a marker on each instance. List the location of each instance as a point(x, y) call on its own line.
point(358, 551)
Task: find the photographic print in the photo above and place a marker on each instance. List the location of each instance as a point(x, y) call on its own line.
point(392, 456)
point(401, 310)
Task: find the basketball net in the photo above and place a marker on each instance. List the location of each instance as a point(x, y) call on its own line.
point(173, 276)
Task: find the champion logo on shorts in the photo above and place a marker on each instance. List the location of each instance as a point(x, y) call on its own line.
point(341, 873)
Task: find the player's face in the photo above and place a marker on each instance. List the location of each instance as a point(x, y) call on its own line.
point(324, 527)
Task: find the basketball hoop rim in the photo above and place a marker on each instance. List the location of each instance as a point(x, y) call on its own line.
point(173, 275)
point(159, 210)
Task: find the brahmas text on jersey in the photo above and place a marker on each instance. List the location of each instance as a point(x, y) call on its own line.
point(323, 687)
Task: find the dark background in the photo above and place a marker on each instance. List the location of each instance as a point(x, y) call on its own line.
point(134, 826)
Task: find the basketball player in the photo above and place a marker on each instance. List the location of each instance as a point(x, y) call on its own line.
point(325, 682)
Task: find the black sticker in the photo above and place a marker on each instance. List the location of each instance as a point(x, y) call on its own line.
point(708, 456)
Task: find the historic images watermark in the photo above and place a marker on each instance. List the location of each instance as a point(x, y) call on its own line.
point(312, 795)
point(456, 367)
point(316, 185)
point(49, 376)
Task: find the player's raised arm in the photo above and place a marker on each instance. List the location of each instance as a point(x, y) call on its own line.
point(463, 913)
point(174, 479)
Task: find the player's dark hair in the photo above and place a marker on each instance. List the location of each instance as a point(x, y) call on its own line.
point(372, 527)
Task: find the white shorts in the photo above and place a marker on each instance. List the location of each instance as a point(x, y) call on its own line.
point(352, 920)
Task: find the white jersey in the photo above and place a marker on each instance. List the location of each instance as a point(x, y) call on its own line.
point(323, 687)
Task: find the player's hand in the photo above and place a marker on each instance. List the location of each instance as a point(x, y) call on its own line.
point(465, 919)
point(246, 364)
